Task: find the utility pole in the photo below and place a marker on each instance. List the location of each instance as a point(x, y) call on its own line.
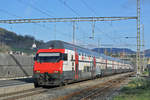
point(99, 47)
point(55, 30)
point(73, 33)
point(138, 63)
point(93, 29)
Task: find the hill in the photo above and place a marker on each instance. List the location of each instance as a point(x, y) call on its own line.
point(114, 50)
point(11, 41)
point(147, 53)
point(120, 50)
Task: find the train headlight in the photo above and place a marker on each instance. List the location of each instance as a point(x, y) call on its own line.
point(37, 71)
point(56, 71)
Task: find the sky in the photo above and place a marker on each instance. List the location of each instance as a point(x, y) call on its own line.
point(108, 33)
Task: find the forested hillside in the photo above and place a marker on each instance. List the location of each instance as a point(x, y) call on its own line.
point(11, 41)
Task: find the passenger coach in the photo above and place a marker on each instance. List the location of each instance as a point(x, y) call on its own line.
point(60, 63)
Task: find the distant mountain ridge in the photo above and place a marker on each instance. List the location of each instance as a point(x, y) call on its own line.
point(120, 50)
point(114, 50)
point(147, 53)
point(12, 41)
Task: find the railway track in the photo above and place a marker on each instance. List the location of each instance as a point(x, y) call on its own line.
point(30, 92)
point(97, 92)
point(84, 94)
point(100, 91)
point(22, 94)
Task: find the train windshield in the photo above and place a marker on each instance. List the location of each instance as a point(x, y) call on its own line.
point(48, 57)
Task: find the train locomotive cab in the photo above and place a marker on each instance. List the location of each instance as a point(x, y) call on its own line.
point(48, 67)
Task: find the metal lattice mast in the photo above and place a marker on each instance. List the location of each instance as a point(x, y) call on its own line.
point(143, 45)
point(138, 39)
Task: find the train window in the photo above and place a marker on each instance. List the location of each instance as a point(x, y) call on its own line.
point(71, 57)
point(65, 57)
point(79, 54)
point(88, 69)
point(72, 63)
point(85, 69)
point(35, 58)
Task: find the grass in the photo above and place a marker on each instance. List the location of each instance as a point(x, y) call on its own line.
point(137, 89)
point(146, 72)
point(27, 51)
point(4, 49)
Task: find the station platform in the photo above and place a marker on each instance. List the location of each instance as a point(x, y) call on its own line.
point(12, 82)
point(15, 85)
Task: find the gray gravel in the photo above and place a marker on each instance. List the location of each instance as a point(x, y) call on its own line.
point(65, 90)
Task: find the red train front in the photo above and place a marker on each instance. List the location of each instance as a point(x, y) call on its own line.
point(48, 66)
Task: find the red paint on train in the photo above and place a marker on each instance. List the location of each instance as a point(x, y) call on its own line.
point(51, 50)
point(50, 67)
point(76, 64)
point(94, 62)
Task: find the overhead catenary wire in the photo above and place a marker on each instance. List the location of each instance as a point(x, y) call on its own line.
point(47, 12)
point(72, 10)
point(91, 9)
point(16, 16)
point(43, 12)
point(47, 28)
point(94, 12)
point(11, 14)
point(65, 19)
point(35, 8)
point(69, 7)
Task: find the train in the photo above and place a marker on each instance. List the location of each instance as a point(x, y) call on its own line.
point(58, 63)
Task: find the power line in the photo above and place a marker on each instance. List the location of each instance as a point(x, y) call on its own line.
point(14, 15)
point(69, 7)
point(35, 8)
point(67, 19)
point(73, 19)
point(11, 14)
point(92, 10)
point(45, 12)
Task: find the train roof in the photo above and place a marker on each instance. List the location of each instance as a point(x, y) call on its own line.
point(57, 44)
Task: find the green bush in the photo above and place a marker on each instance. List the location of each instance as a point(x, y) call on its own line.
point(137, 89)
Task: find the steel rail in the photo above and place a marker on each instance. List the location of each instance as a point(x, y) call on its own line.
point(90, 92)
